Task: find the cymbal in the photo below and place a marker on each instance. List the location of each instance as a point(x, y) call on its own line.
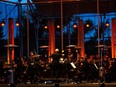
point(10, 45)
point(45, 46)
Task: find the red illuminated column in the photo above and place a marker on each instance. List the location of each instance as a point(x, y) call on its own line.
point(81, 37)
point(113, 38)
point(10, 38)
point(51, 28)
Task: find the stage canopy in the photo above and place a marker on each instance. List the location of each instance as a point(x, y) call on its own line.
point(71, 7)
point(52, 8)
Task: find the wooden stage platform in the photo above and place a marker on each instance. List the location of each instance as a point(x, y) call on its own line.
point(62, 85)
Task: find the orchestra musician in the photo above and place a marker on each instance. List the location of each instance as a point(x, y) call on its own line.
point(22, 68)
point(32, 66)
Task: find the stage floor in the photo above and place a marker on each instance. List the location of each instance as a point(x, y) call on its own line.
point(113, 84)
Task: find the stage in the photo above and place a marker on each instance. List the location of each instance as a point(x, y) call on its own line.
point(61, 82)
point(63, 85)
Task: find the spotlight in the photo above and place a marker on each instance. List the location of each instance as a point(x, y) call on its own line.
point(3, 23)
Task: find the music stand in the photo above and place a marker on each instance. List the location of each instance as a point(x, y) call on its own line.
point(11, 74)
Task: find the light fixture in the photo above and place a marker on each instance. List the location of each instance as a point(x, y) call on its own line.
point(17, 23)
point(3, 23)
point(87, 25)
point(107, 24)
point(75, 25)
point(45, 27)
point(58, 26)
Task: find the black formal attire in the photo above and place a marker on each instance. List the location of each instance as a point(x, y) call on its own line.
point(55, 64)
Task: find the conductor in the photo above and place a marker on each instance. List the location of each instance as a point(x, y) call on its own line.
point(55, 63)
